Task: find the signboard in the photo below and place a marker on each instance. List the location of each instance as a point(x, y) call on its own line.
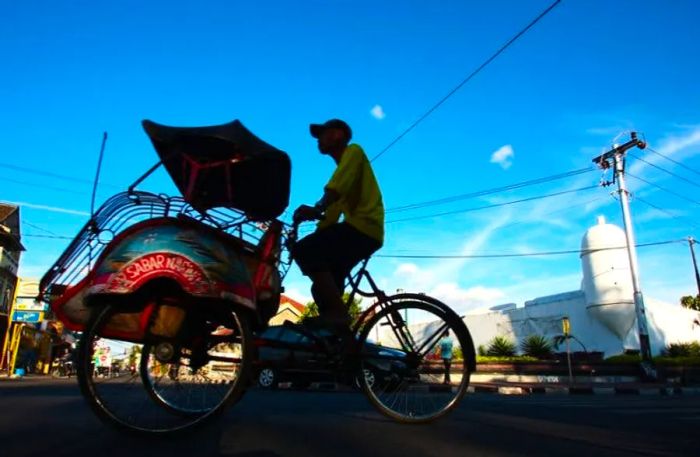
point(29, 304)
point(27, 287)
point(103, 356)
point(28, 316)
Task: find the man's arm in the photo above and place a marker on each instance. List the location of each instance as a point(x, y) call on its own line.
point(309, 213)
point(329, 197)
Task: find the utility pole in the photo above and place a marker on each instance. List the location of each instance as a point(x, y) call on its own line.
point(691, 242)
point(617, 156)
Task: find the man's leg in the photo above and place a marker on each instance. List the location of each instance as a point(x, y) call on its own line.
point(329, 299)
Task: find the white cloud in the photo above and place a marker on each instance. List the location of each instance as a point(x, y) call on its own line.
point(678, 146)
point(503, 156)
point(466, 299)
point(296, 294)
point(406, 269)
point(377, 112)
point(54, 209)
point(606, 131)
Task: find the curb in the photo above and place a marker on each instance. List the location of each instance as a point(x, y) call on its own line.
point(580, 390)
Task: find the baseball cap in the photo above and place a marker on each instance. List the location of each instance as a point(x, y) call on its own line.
point(317, 129)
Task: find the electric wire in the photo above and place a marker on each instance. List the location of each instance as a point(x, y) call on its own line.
point(467, 79)
point(57, 237)
point(674, 161)
point(49, 174)
point(561, 210)
point(530, 254)
point(494, 190)
point(664, 170)
point(495, 205)
point(664, 189)
point(680, 218)
point(38, 227)
point(41, 185)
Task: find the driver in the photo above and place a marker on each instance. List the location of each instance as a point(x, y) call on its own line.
point(328, 255)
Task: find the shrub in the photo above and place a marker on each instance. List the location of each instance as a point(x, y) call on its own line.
point(536, 346)
point(683, 350)
point(501, 346)
point(481, 350)
point(691, 361)
point(513, 359)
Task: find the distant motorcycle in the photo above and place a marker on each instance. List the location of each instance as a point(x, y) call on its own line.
point(62, 367)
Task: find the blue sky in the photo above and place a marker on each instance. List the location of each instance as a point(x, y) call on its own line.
point(587, 73)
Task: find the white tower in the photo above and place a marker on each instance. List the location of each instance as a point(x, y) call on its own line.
point(607, 281)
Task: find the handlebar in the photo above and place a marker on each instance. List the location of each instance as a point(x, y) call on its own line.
point(293, 233)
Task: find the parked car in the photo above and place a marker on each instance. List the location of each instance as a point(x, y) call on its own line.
point(286, 354)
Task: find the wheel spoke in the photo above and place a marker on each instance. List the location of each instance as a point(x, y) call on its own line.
point(171, 388)
point(410, 387)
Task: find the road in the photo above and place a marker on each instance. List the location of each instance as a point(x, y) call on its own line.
point(49, 417)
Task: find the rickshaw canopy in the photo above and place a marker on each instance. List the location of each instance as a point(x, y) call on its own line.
point(224, 166)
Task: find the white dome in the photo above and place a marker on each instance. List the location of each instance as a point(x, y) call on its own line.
point(607, 279)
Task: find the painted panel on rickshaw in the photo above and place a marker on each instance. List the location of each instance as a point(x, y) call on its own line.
point(200, 263)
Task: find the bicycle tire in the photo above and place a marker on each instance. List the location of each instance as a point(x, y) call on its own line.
point(385, 395)
point(166, 418)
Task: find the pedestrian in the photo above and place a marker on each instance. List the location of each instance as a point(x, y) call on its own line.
point(446, 355)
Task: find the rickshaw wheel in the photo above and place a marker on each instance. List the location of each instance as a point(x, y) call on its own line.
point(165, 393)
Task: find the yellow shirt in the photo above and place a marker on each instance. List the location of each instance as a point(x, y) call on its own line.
point(360, 200)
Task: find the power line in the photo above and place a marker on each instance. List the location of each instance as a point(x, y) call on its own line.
point(494, 190)
point(531, 254)
point(674, 161)
point(680, 218)
point(446, 213)
point(466, 80)
point(58, 237)
point(37, 227)
point(561, 210)
point(664, 189)
point(664, 170)
point(59, 189)
point(49, 174)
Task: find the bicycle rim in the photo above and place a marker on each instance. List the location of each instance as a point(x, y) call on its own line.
point(149, 396)
point(409, 381)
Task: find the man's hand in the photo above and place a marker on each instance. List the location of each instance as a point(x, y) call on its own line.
point(307, 213)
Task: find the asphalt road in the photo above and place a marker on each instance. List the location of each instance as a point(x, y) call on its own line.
point(50, 418)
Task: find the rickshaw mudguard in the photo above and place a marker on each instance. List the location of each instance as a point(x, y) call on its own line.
point(194, 257)
point(202, 262)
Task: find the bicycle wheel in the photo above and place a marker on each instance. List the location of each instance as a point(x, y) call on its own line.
point(181, 381)
point(407, 381)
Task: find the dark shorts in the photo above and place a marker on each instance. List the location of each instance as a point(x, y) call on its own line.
point(337, 248)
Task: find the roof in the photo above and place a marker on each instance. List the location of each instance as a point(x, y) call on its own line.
point(286, 299)
point(6, 210)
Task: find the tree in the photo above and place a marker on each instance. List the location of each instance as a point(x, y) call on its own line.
point(690, 302)
point(134, 354)
point(355, 309)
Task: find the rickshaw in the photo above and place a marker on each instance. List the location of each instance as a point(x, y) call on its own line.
point(178, 287)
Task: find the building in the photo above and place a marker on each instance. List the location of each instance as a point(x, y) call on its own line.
point(601, 312)
point(10, 248)
point(289, 310)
